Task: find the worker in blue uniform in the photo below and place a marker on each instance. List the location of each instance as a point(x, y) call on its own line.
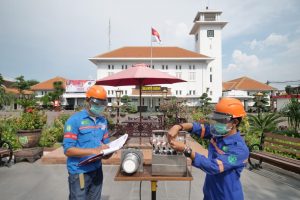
point(227, 152)
point(85, 134)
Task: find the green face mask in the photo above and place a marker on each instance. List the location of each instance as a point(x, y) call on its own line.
point(97, 110)
point(219, 129)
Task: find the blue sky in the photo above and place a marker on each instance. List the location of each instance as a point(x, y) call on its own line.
point(44, 39)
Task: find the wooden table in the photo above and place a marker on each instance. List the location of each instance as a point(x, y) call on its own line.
point(146, 176)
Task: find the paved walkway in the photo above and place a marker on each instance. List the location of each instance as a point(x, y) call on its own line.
point(25, 181)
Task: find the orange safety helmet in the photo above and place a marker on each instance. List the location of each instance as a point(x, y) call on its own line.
point(231, 106)
point(97, 92)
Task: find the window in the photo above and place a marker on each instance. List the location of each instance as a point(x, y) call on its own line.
point(112, 67)
point(166, 67)
point(125, 66)
point(190, 67)
point(178, 74)
point(152, 66)
point(112, 92)
point(176, 67)
point(162, 67)
point(210, 78)
point(194, 92)
point(193, 66)
point(209, 17)
point(176, 92)
point(210, 69)
point(122, 66)
point(192, 76)
point(180, 92)
point(196, 37)
point(108, 66)
point(179, 67)
point(190, 92)
point(210, 33)
point(108, 92)
point(110, 73)
point(125, 92)
point(210, 92)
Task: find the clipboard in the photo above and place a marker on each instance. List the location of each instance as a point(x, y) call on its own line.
point(113, 147)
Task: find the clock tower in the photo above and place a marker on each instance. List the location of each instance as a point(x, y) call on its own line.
point(207, 30)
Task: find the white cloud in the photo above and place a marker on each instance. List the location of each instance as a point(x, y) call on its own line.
point(272, 40)
point(176, 34)
point(242, 61)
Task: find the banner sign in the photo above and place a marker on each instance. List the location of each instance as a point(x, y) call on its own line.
point(78, 85)
point(151, 88)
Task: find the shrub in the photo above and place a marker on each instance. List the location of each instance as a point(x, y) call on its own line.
point(54, 134)
point(31, 120)
point(8, 129)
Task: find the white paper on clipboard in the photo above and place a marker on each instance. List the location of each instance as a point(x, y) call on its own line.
point(113, 147)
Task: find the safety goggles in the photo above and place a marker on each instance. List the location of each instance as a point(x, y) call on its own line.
point(98, 102)
point(217, 117)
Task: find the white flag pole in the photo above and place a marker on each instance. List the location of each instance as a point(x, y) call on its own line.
point(151, 103)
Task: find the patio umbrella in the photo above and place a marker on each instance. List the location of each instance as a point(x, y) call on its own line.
point(140, 75)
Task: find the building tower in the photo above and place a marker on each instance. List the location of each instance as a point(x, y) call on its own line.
point(207, 30)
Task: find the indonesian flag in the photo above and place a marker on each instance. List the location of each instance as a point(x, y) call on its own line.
point(155, 35)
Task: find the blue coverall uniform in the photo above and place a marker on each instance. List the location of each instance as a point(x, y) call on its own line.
point(82, 131)
point(227, 156)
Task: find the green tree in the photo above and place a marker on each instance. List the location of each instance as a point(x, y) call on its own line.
point(1, 79)
point(260, 102)
point(5, 98)
point(32, 82)
point(264, 122)
point(206, 106)
point(288, 89)
point(21, 84)
point(292, 112)
point(58, 91)
point(24, 100)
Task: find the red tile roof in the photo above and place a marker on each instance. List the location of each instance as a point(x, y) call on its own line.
point(145, 52)
point(247, 84)
point(48, 85)
point(16, 91)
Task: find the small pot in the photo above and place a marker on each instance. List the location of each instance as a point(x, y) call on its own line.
point(29, 138)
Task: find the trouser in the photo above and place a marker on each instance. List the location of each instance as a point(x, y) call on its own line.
point(92, 186)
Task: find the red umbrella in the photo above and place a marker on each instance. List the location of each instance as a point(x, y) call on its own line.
point(139, 74)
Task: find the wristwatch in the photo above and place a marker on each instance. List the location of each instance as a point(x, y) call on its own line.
point(187, 151)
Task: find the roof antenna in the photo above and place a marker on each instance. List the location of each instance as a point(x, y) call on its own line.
point(207, 5)
point(109, 43)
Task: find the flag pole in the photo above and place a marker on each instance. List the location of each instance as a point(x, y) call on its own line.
point(151, 103)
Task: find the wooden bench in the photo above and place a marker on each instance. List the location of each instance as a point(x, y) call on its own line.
point(5, 153)
point(277, 143)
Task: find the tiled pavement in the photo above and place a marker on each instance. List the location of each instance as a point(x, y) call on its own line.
point(25, 181)
point(41, 181)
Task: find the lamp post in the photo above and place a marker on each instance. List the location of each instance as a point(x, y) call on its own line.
point(118, 97)
point(177, 110)
point(164, 94)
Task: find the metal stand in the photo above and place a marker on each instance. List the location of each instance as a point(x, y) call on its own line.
point(153, 190)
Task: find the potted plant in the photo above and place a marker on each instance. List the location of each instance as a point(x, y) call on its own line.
point(30, 125)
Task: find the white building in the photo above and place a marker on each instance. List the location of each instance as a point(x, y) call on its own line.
point(201, 69)
point(245, 89)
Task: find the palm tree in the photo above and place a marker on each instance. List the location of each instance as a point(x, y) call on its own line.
point(264, 122)
point(292, 112)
